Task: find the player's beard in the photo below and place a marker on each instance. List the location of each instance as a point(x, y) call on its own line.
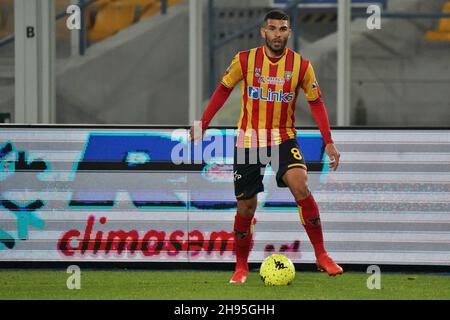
point(278, 50)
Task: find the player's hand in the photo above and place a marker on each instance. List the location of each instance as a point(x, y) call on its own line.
point(334, 156)
point(196, 132)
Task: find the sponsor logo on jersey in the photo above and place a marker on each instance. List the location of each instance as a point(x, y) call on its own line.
point(257, 93)
point(271, 80)
point(315, 84)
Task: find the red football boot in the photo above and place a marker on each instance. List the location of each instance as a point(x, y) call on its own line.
point(240, 276)
point(325, 263)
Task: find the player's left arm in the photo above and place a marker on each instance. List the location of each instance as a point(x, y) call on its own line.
point(311, 88)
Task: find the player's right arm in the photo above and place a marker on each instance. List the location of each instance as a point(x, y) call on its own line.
point(229, 80)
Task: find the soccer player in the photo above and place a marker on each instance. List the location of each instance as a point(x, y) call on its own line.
point(271, 77)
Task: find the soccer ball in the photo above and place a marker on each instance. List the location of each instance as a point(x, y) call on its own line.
point(277, 270)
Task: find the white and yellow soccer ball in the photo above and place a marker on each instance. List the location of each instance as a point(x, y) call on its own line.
point(277, 270)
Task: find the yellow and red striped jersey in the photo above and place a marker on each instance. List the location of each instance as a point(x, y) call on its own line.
point(269, 94)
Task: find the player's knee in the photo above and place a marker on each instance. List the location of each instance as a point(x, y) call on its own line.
point(302, 192)
point(247, 208)
point(248, 211)
point(297, 180)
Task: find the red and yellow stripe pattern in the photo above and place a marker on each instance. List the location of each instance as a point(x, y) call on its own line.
point(269, 93)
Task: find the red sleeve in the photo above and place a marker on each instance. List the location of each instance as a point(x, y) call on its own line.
point(320, 115)
point(217, 101)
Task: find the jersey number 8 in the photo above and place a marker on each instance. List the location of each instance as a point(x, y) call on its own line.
point(296, 153)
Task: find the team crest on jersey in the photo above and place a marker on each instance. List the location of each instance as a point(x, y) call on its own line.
point(257, 72)
point(288, 75)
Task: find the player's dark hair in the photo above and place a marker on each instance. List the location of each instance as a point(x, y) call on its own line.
point(277, 14)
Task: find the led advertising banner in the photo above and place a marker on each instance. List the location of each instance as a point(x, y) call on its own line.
point(150, 195)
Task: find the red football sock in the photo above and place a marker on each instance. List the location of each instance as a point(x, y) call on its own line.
point(310, 218)
point(242, 244)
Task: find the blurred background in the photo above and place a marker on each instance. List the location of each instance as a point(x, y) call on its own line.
point(130, 61)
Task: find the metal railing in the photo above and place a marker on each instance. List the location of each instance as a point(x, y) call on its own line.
point(292, 7)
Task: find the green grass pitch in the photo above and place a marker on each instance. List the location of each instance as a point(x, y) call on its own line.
point(211, 285)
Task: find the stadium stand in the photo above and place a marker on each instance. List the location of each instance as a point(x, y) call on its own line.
point(62, 33)
point(391, 66)
point(149, 10)
point(154, 6)
point(112, 16)
point(443, 31)
point(6, 18)
point(6, 59)
point(107, 17)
